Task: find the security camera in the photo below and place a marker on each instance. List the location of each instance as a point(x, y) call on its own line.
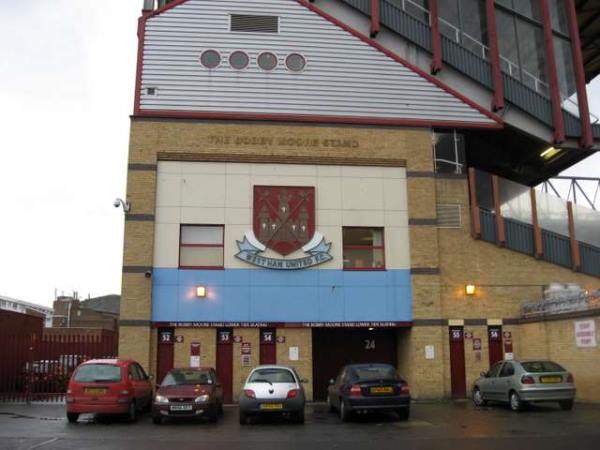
point(148, 274)
point(120, 202)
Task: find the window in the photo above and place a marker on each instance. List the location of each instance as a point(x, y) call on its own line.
point(254, 24)
point(92, 373)
point(295, 62)
point(210, 59)
point(239, 60)
point(449, 149)
point(495, 370)
point(363, 248)
point(201, 247)
point(508, 370)
point(267, 61)
point(271, 376)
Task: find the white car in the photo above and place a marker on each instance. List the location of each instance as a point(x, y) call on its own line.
point(272, 390)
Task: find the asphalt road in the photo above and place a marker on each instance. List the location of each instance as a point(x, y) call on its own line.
point(440, 426)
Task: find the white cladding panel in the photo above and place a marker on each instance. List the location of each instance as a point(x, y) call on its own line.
point(182, 198)
point(344, 75)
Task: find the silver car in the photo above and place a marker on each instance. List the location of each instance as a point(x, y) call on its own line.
point(272, 390)
point(520, 382)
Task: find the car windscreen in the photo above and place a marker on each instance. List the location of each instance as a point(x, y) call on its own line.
point(98, 373)
point(187, 377)
point(272, 376)
point(373, 373)
point(542, 366)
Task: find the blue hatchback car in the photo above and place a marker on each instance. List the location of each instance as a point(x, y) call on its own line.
point(368, 387)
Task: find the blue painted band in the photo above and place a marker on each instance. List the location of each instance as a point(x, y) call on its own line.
point(257, 295)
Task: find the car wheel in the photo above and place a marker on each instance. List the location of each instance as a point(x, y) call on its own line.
point(330, 404)
point(243, 418)
point(566, 405)
point(132, 412)
point(478, 398)
point(72, 417)
point(299, 417)
point(157, 420)
point(515, 401)
point(213, 414)
point(344, 413)
point(403, 413)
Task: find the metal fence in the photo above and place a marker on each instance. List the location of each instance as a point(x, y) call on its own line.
point(34, 368)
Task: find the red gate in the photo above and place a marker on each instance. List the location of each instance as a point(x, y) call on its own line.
point(225, 362)
point(457, 363)
point(39, 368)
point(268, 349)
point(495, 344)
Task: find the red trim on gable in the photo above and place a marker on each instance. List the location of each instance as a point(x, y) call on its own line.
point(140, 62)
point(400, 60)
point(436, 39)
point(168, 6)
point(314, 118)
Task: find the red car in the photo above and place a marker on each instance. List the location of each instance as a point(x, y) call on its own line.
point(108, 386)
point(189, 393)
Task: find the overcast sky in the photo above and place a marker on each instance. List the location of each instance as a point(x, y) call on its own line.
point(66, 88)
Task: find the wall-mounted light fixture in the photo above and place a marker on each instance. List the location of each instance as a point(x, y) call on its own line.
point(200, 291)
point(470, 289)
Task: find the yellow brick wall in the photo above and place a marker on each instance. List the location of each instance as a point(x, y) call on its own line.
point(301, 338)
point(240, 373)
point(134, 343)
point(555, 340)
point(208, 346)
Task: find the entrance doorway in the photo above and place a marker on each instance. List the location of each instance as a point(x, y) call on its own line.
point(268, 349)
point(457, 363)
point(225, 362)
point(334, 348)
point(495, 344)
point(165, 353)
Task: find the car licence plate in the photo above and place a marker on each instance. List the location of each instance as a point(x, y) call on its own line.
point(550, 379)
point(95, 391)
point(271, 406)
point(381, 390)
point(180, 407)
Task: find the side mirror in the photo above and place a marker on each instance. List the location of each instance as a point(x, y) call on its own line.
point(331, 381)
point(303, 381)
point(150, 376)
point(157, 386)
point(484, 374)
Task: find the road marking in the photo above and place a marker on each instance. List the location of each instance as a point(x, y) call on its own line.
point(49, 441)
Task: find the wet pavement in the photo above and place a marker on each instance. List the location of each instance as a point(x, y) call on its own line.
point(449, 425)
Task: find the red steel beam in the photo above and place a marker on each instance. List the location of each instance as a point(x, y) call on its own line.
point(375, 18)
point(575, 255)
point(436, 39)
point(587, 137)
point(475, 218)
point(500, 231)
point(498, 99)
point(557, 115)
point(537, 231)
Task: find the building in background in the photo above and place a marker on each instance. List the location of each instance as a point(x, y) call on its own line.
point(93, 313)
point(23, 307)
point(320, 183)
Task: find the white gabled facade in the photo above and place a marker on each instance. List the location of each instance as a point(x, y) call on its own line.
point(345, 76)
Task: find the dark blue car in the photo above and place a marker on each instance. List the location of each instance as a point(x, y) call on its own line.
point(368, 387)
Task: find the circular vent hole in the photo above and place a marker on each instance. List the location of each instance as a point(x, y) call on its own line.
point(210, 59)
point(239, 60)
point(267, 61)
point(295, 62)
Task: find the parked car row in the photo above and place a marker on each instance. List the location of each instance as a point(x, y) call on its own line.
point(117, 386)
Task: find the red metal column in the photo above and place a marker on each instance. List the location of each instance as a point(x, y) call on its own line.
point(587, 138)
point(475, 217)
point(498, 100)
point(575, 255)
point(537, 231)
point(500, 232)
point(436, 40)
point(375, 18)
point(557, 115)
